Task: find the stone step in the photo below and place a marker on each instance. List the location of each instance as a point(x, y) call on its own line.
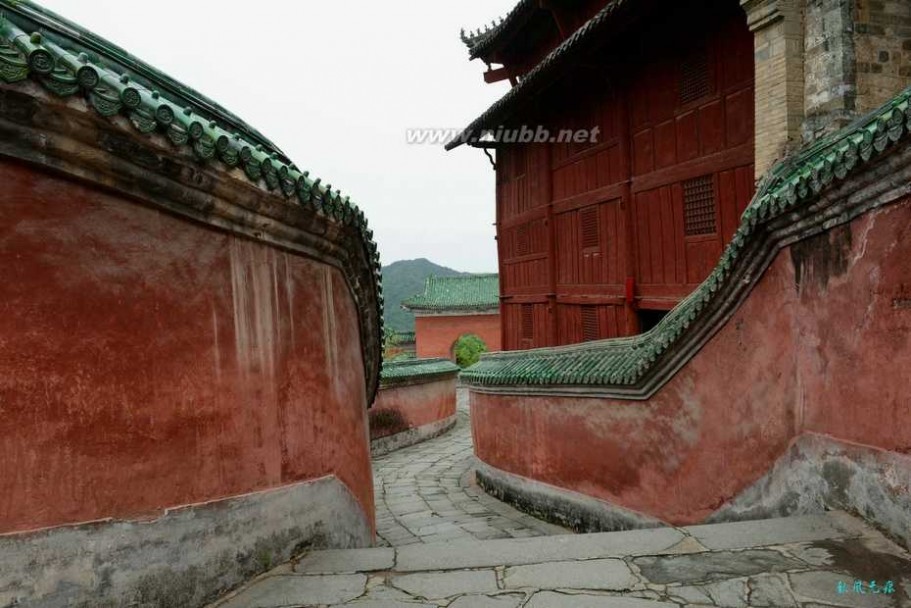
point(812, 560)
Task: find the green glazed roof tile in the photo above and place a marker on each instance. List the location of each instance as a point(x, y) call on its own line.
point(795, 182)
point(471, 292)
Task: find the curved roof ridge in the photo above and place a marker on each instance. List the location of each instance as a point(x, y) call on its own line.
point(480, 41)
point(537, 74)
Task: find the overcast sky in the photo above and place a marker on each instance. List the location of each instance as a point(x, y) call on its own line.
point(335, 84)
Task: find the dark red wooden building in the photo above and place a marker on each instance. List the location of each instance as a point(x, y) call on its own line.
point(597, 239)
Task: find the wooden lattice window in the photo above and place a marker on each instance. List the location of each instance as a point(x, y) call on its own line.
point(591, 326)
point(699, 206)
point(591, 227)
point(523, 241)
point(695, 76)
point(528, 321)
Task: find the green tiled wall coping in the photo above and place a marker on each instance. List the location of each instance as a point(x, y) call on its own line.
point(414, 371)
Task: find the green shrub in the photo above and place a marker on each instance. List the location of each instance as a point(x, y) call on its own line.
point(468, 349)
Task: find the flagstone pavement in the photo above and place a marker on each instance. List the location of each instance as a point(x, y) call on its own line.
point(444, 543)
point(815, 561)
point(426, 493)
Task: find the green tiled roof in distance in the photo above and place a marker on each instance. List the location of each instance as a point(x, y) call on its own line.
point(786, 206)
point(413, 370)
point(469, 293)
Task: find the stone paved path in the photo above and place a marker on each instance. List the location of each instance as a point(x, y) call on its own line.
point(426, 493)
point(799, 562)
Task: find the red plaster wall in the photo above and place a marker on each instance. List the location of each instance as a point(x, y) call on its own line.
point(148, 362)
point(436, 335)
point(829, 356)
point(418, 404)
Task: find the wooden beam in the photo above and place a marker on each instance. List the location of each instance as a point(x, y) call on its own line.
point(497, 75)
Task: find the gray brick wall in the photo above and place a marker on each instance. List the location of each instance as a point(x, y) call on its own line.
point(830, 68)
point(883, 50)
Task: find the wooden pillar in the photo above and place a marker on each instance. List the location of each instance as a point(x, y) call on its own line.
point(547, 190)
point(626, 216)
point(504, 318)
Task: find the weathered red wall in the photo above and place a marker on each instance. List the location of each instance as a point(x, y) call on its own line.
point(820, 345)
point(148, 362)
point(436, 335)
point(418, 404)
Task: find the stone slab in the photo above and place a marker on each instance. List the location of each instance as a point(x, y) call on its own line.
point(385, 604)
point(276, 591)
point(550, 599)
point(511, 600)
point(741, 535)
point(598, 574)
point(708, 567)
point(346, 561)
point(771, 592)
point(517, 552)
point(441, 585)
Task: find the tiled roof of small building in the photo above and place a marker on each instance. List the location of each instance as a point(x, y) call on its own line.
point(410, 370)
point(470, 292)
point(481, 41)
point(405, 337)
point(785, 204)
point(539, 76)
point(68, 61)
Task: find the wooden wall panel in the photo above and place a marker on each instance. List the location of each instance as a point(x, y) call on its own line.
point(524, 277)
point(678, 110)
point(525, 325)
point(578, 264)
point(735, 189)
point(570, 324)
point(658, 235)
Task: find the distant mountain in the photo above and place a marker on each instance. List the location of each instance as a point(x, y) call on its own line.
point(403, 279)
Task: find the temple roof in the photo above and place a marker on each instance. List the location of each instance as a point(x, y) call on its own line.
point(481, 42)
point(786, 202)
point(68, 61)
point(541, 75)
point(461, 293)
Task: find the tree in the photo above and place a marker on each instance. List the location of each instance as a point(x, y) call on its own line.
point(468, 349)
